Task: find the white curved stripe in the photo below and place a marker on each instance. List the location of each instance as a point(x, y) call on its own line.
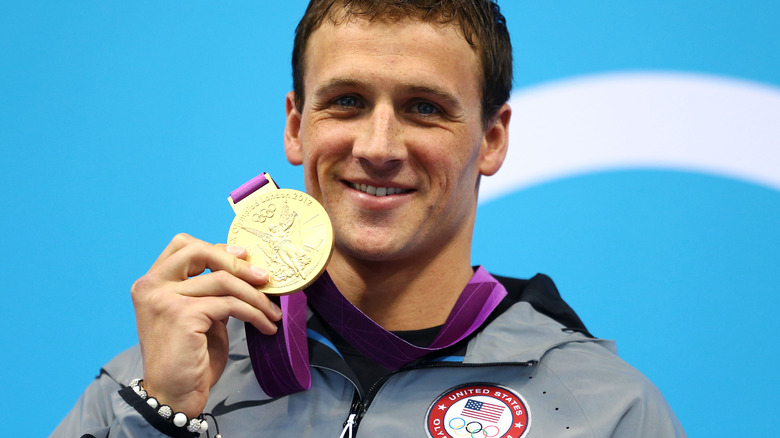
point(641, 120)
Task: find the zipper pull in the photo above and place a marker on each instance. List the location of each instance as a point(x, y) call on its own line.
point(348, 426)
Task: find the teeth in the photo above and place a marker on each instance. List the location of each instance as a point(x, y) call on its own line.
point(377, 191)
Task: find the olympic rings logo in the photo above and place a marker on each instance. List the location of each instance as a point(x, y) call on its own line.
point(264, 214)
point(472, 429)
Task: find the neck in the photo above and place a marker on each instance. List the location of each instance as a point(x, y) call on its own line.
point(402, 296)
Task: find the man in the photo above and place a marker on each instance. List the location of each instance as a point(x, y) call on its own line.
point(398, 110)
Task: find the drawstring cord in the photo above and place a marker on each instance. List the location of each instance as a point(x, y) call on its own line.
point(216, 426)
point(348, 426)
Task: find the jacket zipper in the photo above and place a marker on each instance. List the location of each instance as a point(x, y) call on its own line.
point(360, 406)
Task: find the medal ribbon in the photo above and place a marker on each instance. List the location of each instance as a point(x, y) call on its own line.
point(248, 188)
point(281, 362)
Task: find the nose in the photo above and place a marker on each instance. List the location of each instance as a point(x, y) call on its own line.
point(380, 142)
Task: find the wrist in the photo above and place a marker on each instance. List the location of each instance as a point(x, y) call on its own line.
point(195, 424)
point(176, 401)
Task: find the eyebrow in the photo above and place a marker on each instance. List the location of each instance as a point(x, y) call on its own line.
point(449, 99)
point(336, 83)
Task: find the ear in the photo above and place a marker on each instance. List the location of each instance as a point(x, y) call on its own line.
point(293, 148)
point(495, 142)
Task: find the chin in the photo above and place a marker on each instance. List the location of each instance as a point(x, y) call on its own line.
point(373, 246)
point(369, 252)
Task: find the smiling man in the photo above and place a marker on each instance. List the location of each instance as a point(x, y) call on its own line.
point(398, 109)
point(392, 140)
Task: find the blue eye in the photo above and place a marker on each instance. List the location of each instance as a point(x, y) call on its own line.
point(426, 108)
point(346, 101)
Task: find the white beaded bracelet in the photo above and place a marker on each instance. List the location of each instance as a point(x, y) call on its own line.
point(179, 419)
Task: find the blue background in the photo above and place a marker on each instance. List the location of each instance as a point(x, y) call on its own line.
point(124, 123)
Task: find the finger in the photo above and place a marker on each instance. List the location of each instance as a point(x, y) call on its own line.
point(197, 256)
point(234, 250)
point(217, 308)
point(222, 283)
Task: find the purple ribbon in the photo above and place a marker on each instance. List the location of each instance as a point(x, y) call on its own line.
point(281, 362)
point(283, 359)
point(248, 188)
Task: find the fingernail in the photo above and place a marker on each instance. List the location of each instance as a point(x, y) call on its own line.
point(276, 309)
point(260, 272)
point(235, 250)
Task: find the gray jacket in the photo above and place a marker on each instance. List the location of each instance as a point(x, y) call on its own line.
point(531, 371)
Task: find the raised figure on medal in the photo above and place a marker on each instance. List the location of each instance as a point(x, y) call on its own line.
point(398, 110)
point(284, 249)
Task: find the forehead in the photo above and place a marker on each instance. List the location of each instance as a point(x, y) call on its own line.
point(416, 51)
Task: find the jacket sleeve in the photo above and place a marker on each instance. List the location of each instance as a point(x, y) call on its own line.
point(617, 400)
point(648, 415)
point(102, 411)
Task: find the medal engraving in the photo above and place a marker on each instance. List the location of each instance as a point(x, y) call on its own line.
point(288, 233)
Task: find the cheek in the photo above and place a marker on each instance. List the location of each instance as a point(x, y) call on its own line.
point(327, 139)
point(324, 149)
point(450, 160)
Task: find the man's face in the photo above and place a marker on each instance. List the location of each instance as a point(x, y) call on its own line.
point(391, 137)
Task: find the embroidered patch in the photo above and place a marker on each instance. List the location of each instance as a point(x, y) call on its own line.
point(478, 410)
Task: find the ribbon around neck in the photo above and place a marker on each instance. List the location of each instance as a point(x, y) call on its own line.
point(281, 361)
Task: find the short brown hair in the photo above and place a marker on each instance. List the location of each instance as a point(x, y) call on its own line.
point(480, 21)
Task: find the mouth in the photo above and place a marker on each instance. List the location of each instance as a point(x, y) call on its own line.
point(378, 191)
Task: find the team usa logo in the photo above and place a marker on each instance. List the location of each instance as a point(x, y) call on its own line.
point(478, 410)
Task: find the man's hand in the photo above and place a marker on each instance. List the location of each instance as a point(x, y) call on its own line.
point(181, 317)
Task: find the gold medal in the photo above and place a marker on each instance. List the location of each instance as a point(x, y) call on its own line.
point(284, 231)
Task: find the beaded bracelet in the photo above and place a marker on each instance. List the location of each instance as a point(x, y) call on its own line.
point(179, 419)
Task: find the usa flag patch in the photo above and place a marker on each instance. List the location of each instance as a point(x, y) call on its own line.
point(482, 410)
